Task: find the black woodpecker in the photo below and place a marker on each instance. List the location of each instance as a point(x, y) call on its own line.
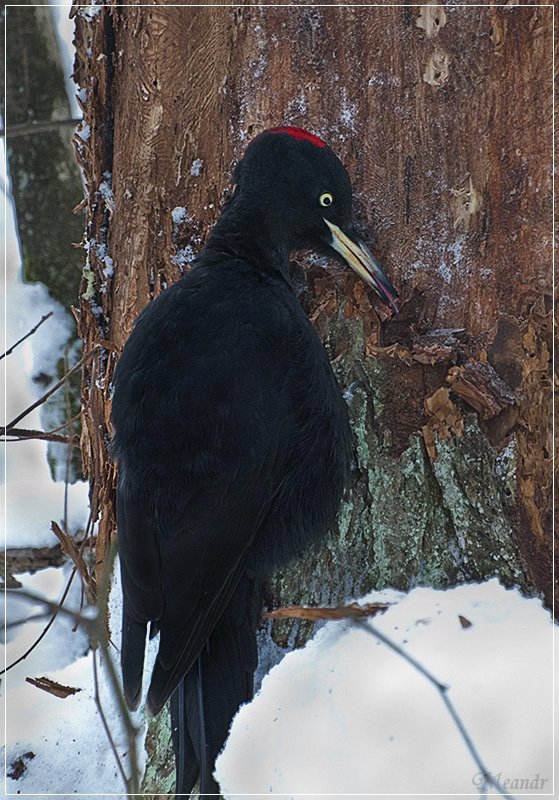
point(232, 440)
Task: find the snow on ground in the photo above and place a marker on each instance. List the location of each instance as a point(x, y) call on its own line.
point(347, 715)
point(344, 715)
point(72, 755)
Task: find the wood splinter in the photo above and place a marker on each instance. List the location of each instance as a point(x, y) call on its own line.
point(351, 611)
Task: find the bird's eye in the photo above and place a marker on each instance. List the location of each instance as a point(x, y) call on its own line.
point(325, 199)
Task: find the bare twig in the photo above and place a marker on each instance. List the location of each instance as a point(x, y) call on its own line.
point(30, 128)
point(27, 335)
point(7, 428)
point(489, 779)
point(354, 610)
point(104, 722)
point(55, 607)
point(68, 458)
point(24, 435)
point(83, 619)
point(133, 783)
point(35, 618)
point(75, 555)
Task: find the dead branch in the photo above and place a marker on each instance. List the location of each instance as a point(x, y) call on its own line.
point(352, 611)
point(30, 559)
point(27, 335)
point(52, 687)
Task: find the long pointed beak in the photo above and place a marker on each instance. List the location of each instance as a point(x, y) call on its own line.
point(363, 262)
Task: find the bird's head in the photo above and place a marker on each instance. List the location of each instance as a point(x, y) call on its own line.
point(297, 187)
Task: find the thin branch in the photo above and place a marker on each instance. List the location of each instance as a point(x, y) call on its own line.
point(51, 605)
point(104, 722)
point(7, 428)
point(68, 453)
point(27, 335)
point(22, 434)
point(26, 435)
point(55, 607)
point(133, 783)
point(67, 424)
point(489, 779)
point(30, 128)
point(35, 618)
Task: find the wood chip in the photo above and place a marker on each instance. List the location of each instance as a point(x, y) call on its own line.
point(52, 687)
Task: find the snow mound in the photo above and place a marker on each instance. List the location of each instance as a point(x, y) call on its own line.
point(348, 715)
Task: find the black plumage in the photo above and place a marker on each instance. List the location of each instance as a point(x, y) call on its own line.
point(232, 440)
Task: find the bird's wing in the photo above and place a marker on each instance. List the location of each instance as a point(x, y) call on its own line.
point(182, 568)
point(203, 418)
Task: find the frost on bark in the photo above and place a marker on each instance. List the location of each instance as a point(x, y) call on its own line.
point(443, 119)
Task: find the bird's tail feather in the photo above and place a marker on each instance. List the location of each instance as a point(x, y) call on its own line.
point(209, 695)
point(132, 658)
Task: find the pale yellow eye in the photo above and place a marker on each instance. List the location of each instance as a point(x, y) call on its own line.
point(325, 199)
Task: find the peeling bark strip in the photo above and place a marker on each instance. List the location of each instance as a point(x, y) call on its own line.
point(450, 401)
point(480, 386)
point(52, 687)
point(352, 611)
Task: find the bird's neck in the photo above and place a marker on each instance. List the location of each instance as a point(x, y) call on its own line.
point(245, 234)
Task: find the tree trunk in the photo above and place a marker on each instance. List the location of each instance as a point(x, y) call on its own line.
point(46, 185)
point(45, 179)
point(443, 118)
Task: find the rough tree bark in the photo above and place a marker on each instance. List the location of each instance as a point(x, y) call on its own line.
point(442, 116)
